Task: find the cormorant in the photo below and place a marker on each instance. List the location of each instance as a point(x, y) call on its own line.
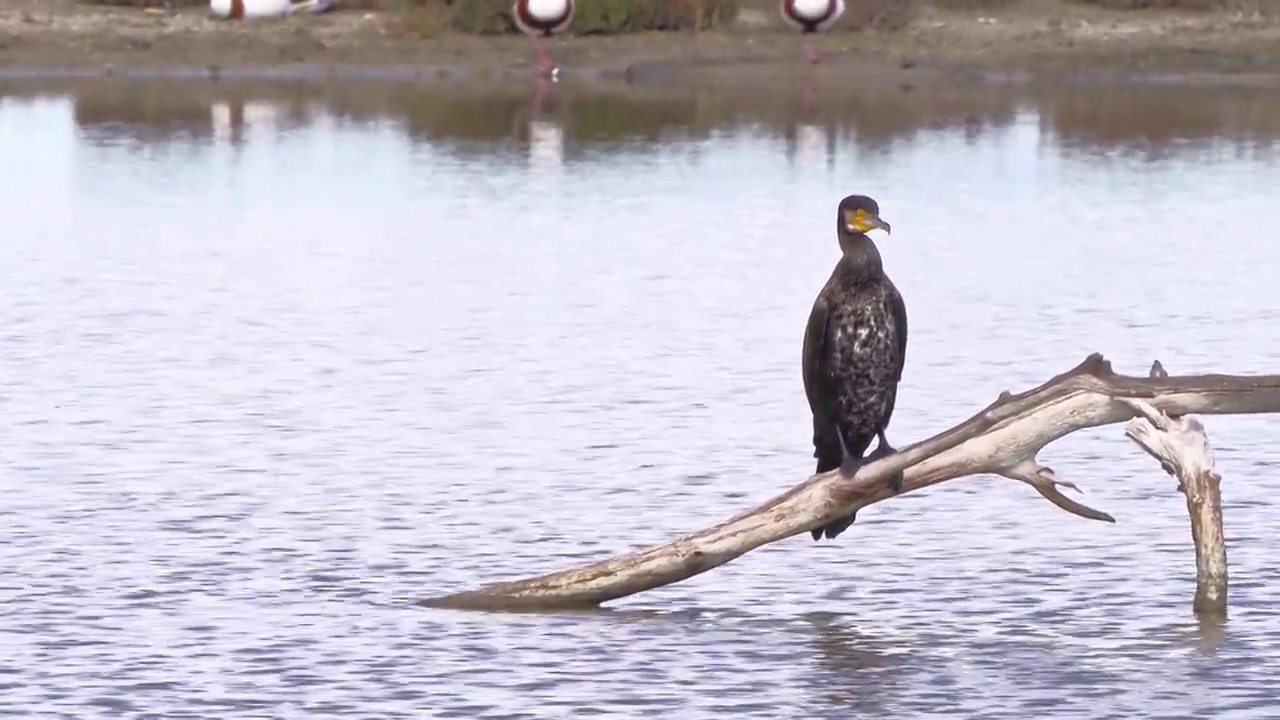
point(854, 349)
point(541, 19)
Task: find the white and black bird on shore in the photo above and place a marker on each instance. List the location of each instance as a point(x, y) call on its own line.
point(541, 19)
point(810, 16)
point(250, 9)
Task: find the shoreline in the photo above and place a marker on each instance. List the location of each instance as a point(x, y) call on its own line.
point(1028, 42)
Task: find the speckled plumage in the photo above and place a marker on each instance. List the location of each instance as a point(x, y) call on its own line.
point(854, 352)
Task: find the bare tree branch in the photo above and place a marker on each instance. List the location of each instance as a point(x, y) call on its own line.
point(1002, 439)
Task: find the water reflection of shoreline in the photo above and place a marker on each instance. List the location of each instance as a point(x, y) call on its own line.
point(234, 121)
point(1152, 121)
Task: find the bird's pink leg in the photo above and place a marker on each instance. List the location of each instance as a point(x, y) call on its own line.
point(809, 53)
point(545, 64)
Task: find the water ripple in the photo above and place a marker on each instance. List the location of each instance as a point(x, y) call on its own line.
point(247, 423)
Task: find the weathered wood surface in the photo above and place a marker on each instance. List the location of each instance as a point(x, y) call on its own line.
point(1180, 444)
point(1002, 439)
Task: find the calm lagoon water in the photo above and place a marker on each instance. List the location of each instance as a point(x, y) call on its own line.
point(278, 360)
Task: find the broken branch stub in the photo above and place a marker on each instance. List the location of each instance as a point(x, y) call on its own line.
point(1002, 439)
point(1180, 444)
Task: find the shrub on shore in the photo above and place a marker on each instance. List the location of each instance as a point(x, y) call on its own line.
point(488, 17)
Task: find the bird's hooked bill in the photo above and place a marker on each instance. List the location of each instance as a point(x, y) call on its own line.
point(863, 221)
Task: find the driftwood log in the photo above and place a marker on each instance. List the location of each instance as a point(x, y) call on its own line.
point(1003, 439)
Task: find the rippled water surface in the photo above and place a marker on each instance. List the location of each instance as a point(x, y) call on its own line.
point(277, 361)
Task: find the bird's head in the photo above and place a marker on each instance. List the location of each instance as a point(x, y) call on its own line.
point(859, 215)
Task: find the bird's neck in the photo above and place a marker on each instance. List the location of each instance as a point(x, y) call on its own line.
point(860, 255)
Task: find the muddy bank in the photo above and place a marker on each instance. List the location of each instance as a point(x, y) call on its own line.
point(1046, 40)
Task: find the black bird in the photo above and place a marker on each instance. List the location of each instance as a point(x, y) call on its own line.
point(854, 349)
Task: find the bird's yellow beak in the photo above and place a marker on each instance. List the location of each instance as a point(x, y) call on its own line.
point(862, 221)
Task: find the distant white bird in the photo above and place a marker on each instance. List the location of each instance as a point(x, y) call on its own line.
point(809, 16)
point(241, 9)
point(541, 19)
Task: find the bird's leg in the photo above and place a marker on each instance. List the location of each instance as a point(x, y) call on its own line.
point(884, 450)
point(809, 53)
point(848, 468)
point(545, 65)
point(849, 463)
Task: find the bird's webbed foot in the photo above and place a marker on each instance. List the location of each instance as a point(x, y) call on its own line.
point(884, 450)
point(848, 468)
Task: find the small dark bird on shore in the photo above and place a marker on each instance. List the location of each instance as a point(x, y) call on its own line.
point(810, 16)
point(854, 350)
point(541, 19)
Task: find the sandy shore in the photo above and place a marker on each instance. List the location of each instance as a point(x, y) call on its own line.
point(1046, 40)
